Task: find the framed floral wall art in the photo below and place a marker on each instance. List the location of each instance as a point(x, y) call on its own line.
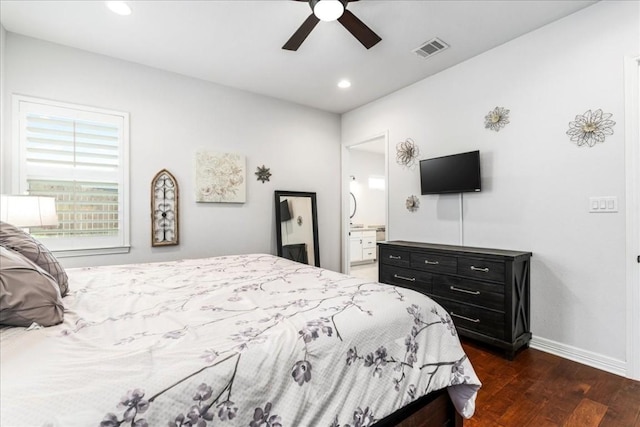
point(220, 177)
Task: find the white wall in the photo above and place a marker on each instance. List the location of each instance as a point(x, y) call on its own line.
point(3, 37)
point(536, 183)
point(171, 117)
point(370, 202)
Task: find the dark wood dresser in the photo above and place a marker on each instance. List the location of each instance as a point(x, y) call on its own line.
point(485, 291)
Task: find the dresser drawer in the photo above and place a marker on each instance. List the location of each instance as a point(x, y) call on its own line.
point(369, 242)
point(481, 269)
point(476, 319)
point(482, 294)
point(368, 253)
point(434, 263)
point(408, 278)
point(394, 256)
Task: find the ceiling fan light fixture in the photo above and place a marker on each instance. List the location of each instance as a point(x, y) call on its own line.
point(328, 10)
point(119, 7)
point(331, 10)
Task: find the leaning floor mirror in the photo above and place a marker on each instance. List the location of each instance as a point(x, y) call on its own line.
point(297, 226)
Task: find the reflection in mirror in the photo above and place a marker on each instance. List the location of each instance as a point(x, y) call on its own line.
point(297, 226)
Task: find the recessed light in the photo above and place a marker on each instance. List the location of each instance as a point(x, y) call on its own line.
point(119, 7)
point(343, 84)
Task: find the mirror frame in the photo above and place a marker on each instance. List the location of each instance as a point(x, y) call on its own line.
point(314, 219)
point(352, 212)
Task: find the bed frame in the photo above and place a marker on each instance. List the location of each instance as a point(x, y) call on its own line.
point(432, 410)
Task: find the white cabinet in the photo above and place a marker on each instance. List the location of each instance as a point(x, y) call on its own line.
point(362, 245)
point(355, 248)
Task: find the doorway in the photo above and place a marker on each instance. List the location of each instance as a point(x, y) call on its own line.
point(365, 171)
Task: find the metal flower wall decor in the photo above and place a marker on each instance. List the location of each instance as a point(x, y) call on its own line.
point(590, 128)
point(496, 119)
point(407, 153)
point(412, 203)
point(263, 174)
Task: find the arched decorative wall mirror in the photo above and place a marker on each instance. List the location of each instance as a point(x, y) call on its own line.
point(297, 226)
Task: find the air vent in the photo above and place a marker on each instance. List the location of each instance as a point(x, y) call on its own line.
point(430, 48)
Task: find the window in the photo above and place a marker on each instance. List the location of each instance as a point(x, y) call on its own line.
point(79, 155)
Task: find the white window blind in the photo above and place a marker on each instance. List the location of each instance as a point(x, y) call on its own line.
point(78, 155)
point(71, 143)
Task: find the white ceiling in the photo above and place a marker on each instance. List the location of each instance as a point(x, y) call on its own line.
point(238, 43)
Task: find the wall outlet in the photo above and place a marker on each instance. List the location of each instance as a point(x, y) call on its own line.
point(603, 204)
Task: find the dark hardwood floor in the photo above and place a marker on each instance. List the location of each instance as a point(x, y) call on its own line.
point(538, 389)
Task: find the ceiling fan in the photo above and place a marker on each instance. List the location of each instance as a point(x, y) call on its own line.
point(330, 10)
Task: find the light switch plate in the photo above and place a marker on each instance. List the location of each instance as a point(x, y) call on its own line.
point(603, 204)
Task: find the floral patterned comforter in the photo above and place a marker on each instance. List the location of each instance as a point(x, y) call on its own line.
point(248, 340)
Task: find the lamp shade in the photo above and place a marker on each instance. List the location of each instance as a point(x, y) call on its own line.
point(28, 211)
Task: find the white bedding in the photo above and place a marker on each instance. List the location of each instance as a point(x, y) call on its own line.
point(250, 340)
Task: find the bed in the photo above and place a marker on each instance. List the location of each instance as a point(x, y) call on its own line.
point(246, 340)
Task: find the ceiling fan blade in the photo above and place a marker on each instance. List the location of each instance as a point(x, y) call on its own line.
point(301, 33)
point(364, 34)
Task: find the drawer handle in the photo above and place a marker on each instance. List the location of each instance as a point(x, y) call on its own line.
point(465, 318)
point(410, 279)
point(394, 257)
point(426, 261)
point(453, 288)
point(484, 270)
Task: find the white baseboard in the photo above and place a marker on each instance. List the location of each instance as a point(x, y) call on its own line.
point(595, 360)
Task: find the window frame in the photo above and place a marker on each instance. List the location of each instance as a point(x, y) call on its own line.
point(70, 247)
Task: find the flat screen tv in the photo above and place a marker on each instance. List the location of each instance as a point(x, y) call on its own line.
point(457, 173)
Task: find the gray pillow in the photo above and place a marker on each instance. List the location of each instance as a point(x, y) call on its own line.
point(27, 293)
point(17, 240)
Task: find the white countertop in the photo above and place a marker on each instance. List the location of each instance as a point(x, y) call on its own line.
point(362, 229)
